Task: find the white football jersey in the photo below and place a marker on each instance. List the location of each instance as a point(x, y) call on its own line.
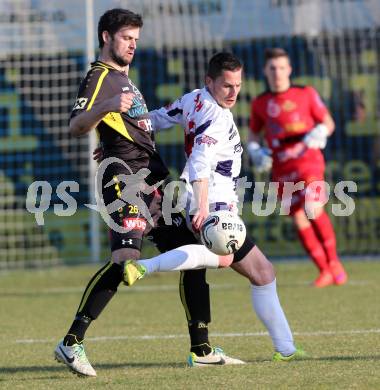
point(212, 142)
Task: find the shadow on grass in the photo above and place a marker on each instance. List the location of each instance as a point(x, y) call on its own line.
point(108, 366)
point(105, 366)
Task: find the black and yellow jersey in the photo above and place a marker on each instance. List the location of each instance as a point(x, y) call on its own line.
point(126, 135)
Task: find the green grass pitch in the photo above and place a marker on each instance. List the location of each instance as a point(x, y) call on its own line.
point(141, 342)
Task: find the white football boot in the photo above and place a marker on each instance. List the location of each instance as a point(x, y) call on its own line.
point(215, 358)
point(75, 358)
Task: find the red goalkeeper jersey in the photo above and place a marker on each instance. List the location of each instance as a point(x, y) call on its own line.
point(285, 118)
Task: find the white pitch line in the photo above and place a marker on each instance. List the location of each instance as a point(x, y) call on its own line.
point(181, 336)
point(69, 290)
point(162, 287)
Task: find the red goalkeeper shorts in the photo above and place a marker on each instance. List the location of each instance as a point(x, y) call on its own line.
point(309, 174)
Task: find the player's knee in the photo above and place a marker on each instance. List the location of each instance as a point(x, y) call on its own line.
point(123, 254)
point(265, 274)
point(260, 270)
point(318, 210)
point(300, 219)
point(225, 261)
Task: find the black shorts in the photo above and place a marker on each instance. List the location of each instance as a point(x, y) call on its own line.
point(168, 237)
point(130, 216)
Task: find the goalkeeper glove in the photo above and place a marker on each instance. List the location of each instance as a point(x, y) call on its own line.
point(260, 157)
point(317, 137)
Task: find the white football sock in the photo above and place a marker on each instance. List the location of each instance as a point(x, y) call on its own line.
point(268, 308)
point(183, 258)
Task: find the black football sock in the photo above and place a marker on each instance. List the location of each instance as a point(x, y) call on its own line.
point(99, 291)
point(200, 343)
point(195, 297)
point(77, 330)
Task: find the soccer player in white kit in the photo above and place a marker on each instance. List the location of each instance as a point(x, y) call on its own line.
point(213, 150)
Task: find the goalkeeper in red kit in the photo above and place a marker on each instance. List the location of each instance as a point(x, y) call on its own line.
point(296, 125)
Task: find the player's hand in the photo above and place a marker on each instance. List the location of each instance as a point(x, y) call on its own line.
point(317, 137)
point(260, 157)
point(97, 154)
point(121, 103)
point(199, 218)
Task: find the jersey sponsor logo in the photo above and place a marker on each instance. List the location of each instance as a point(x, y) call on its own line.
point(177, 221)
point(80, 103)
point(195, 132)
point(238, 148)
point(134, 223)
point(125, 89)
point(206, 139)
point(295, 127)
point(145, 124)
point(274, 128)
point(235, 181)
point(273, 109)
point(135, 90)
point(232, 132)
point(223, 205)
point(125, 242)
point(138, 109)
point(289, 105)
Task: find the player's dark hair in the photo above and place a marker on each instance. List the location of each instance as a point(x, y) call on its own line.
point(274, 52)
point(222, 61)
point(114, 19)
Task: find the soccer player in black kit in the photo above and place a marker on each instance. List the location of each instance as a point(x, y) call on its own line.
point(109, 102)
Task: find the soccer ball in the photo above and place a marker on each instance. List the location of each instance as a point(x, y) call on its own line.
point(223, 232)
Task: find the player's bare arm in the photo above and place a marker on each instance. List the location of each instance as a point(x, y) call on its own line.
point(86, 121)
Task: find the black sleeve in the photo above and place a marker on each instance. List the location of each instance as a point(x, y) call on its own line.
point(90, 90)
